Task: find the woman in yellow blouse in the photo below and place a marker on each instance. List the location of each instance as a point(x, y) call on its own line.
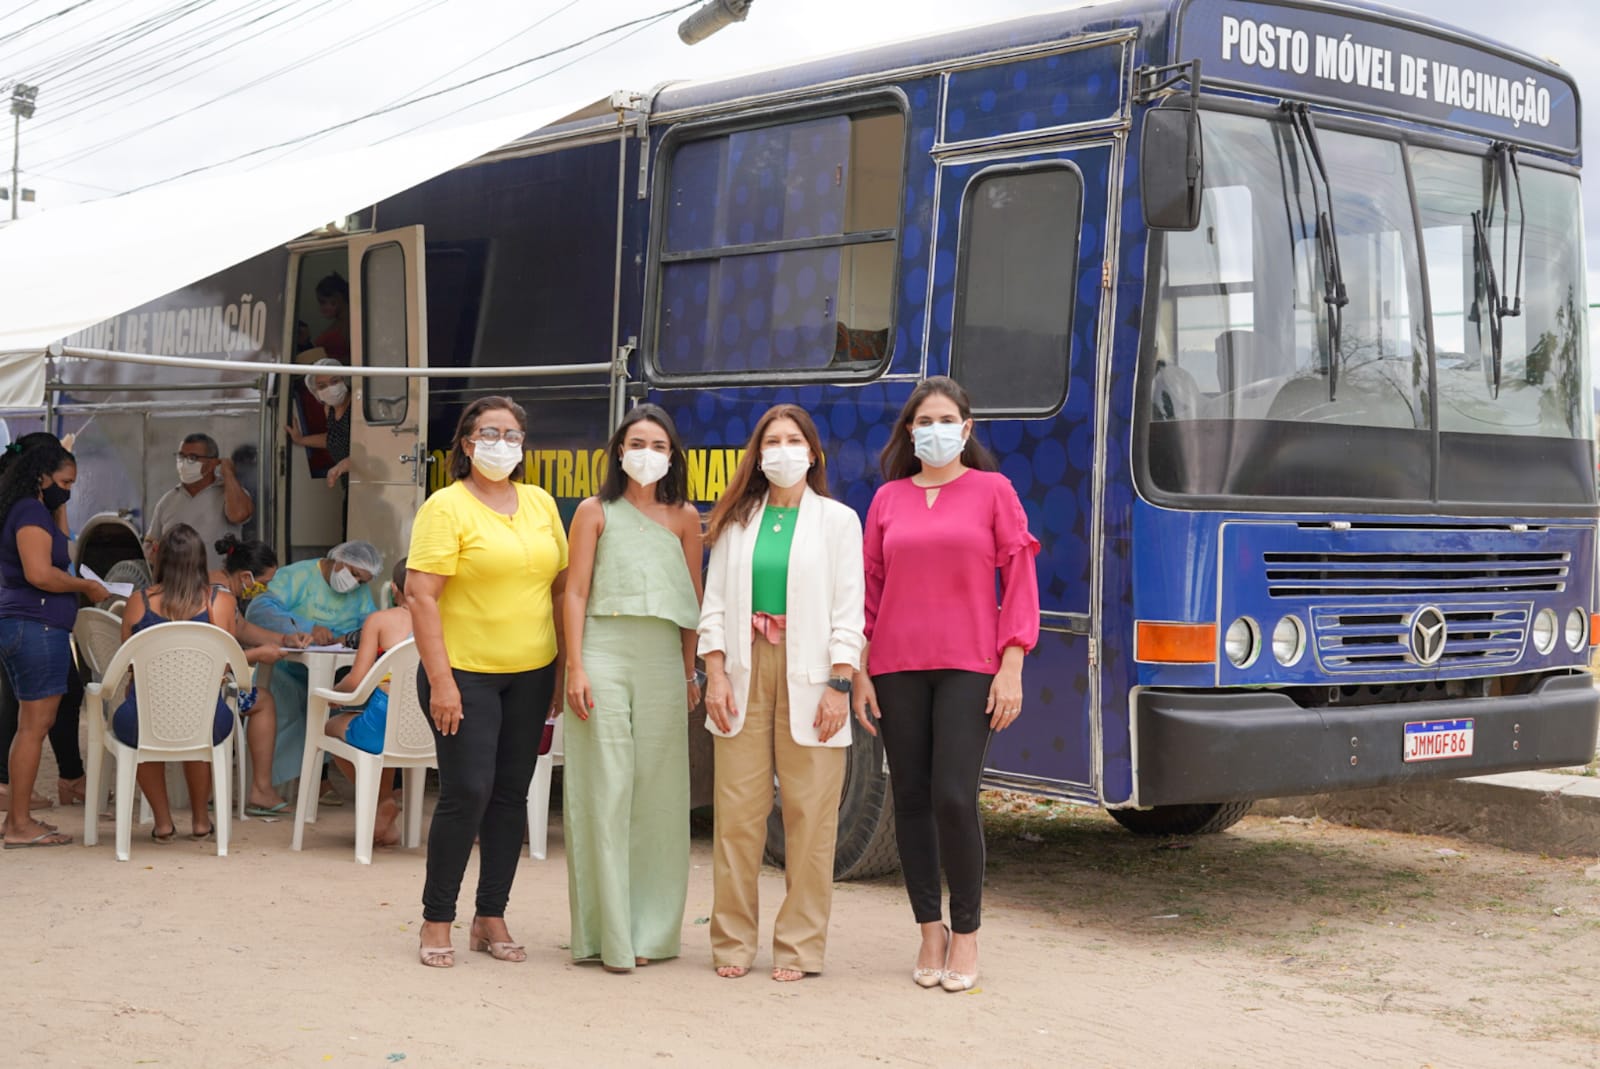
point(487, 562)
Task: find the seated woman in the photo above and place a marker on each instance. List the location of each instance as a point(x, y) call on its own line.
point(246, 569)
point(363, 726)
point(182, 591)
point(324, 598)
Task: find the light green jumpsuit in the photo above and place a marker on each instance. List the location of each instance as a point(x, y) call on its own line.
point(625, 780)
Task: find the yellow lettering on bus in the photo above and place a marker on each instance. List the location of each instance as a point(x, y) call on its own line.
point(563, 480)
point(573, 474)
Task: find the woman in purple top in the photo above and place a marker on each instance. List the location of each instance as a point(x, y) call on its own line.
point(38, 605)
point(946, 662)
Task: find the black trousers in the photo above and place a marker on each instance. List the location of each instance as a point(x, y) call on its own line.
point(484, 771)
point(63, 733)
point(936, 737)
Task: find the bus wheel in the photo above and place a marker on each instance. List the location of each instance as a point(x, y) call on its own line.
point(866, 844)
point(1197, 819)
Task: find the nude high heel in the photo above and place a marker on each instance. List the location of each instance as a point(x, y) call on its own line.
point(932, 977)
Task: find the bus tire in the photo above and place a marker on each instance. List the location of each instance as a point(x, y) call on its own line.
point(866, 845)
point(1200, 818)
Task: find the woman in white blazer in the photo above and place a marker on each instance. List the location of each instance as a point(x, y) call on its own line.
point(781, 630)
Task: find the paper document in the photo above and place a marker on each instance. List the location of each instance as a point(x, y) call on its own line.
point(121, 590)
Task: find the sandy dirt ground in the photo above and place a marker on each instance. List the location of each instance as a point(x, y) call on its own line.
point(1275, 944)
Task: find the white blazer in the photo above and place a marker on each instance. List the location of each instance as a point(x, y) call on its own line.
point(826, 609)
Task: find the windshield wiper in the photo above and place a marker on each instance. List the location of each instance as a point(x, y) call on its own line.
point(1502, 178)
point(1334, 295)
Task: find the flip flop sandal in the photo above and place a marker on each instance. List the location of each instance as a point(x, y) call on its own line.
point(281, 809)
point(39, 841)
point(202, 836)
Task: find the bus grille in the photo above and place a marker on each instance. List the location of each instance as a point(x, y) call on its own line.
point(1302, 575)
point(1365, 637)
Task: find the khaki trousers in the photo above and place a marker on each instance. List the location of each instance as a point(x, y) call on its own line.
point(810, 779)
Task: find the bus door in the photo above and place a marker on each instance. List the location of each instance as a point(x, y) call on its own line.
point(1022, 246)
point(388, 416)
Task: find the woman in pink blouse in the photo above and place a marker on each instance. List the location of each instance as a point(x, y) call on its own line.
point(945, 662)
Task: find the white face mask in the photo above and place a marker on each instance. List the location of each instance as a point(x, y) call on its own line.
point(333, 396)
point(646, 466)
point(190, 471)
point(938, 443)
point(496, 461)
point(342, 580)
point(785, 465)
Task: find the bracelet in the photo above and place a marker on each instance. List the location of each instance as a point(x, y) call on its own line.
point(692, 679)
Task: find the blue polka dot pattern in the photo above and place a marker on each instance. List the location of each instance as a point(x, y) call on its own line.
point(1010, 98)
point(1048, 460)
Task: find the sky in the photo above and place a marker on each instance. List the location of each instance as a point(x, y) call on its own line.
point(232, 77)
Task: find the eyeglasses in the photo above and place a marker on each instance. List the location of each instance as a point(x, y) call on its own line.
point(495, 434)
point(192, 456)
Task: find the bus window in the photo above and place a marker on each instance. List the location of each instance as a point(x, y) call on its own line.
point(383, 333)
point(1016, 280)
point(1541, 376)
point(1210, 274)
point(778, 247)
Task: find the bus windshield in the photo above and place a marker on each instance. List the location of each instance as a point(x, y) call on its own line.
point(1263, 383)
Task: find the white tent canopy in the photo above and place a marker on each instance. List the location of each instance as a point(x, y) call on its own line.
point(73, 267)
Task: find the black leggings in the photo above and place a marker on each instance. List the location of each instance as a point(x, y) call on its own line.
point(936, 736)
point(63, 733)
point(484, 771)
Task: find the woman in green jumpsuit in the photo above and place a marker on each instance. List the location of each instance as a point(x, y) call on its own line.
point(631, 609)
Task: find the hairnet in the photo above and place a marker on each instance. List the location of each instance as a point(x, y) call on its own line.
point(328, 361)
point(363, 555)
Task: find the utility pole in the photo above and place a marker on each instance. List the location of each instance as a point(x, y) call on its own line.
point(22, 102)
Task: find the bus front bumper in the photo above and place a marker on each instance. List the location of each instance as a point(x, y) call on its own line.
point(1221, 746)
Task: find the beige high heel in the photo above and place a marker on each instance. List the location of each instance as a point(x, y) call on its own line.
point(437, 957)
point(932, 977)
point(958, 982)
point(71, 791)
point(501, 951)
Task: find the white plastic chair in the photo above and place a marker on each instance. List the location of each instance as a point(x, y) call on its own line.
point(539, 795)
point(407, 744)
point(97, 634)
point(179, 671)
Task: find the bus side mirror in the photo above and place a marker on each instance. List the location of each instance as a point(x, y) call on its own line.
point(1170, 165)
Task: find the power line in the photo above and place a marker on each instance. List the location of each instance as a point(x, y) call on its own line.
point(26, 5)
point(644, 22)
point(68, 181)
point(89, 98)
point(81, 154)
point(117, 42)
point(77, 27)
point(14, 34)
point(534, 25)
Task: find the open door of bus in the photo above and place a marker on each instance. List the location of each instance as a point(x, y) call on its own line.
point(389, 415)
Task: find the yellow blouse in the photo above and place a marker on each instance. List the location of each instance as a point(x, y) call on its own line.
point(496, 607)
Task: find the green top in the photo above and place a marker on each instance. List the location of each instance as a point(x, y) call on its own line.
point(769, 578)
point(640, 570)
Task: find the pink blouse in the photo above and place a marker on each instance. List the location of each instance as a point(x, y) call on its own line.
point(931, 576)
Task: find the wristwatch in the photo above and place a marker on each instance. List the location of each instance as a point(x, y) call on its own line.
point(840, 684)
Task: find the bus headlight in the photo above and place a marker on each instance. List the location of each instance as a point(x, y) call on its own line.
point(1544, 631)
point(1242, 642)
point(1288, 640)
point(1577, 629)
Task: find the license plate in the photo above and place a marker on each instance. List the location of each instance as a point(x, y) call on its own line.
point(1438, 740)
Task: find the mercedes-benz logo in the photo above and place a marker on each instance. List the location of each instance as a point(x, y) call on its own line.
point(1427, 635)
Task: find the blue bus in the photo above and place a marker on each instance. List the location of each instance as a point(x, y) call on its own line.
point(1273, 310)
